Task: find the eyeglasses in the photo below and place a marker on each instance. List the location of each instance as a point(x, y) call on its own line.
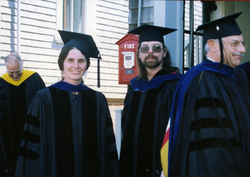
point(16, 72)
point(156, 48)
point(236, 44)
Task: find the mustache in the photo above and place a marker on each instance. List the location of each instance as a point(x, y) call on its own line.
point(238, 53)
point(151, 56)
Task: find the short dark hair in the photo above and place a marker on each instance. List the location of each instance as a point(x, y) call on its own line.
point(64, 53)
point(167, 65)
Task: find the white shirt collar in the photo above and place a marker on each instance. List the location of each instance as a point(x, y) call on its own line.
point(210, 59)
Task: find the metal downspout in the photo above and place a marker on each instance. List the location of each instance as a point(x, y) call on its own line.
point(191, 39)
point(139, 13)
point(18, 25)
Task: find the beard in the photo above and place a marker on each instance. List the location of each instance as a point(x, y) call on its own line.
point(151, 64)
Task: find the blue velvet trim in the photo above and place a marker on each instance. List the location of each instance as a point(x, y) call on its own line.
point(245, 65)
point(69, 87)
point(176, 110)
point(143, 86)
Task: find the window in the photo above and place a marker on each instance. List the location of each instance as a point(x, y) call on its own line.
point(72, 15)
point(193, 50)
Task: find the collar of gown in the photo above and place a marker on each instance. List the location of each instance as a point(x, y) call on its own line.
point(69, 87)
point(143, 86)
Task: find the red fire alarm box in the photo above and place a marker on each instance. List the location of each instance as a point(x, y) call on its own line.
point(127, 58)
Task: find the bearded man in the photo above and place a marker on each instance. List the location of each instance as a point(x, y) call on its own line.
point(147, 104)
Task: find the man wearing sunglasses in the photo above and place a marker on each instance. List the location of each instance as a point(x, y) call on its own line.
point(210, 117)
point(19, 87)
point(147, 104)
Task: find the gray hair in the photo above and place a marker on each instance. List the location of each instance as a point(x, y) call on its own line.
point(17, 57)
point(206, 48)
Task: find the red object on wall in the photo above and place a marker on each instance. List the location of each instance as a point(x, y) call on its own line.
point(127, 58)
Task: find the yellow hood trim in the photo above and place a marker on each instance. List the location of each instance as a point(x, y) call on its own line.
point(25, 75)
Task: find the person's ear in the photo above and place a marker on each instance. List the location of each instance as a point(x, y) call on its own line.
point(213, 45)
point(165, 51)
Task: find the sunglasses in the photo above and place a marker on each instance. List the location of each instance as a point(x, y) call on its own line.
point(156, 48)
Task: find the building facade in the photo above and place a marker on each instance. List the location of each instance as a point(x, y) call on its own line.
point(29, 27)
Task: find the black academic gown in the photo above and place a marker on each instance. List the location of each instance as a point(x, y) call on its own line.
point(19, 95)
point(2, 100)
point(145, 116)
point(210, 125)
point(3, 162)
point(242, 76)
point(68, 135)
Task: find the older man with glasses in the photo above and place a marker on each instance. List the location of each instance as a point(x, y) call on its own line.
point(210, 118)
point(147, 104)
point(14, 66)
point(19, 86)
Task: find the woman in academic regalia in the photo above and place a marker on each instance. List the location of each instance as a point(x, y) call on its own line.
point(69, 129)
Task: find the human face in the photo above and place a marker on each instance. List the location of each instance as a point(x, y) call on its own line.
point(234, 50)
point(14, 69)
point(151, 59)
point(74, 67)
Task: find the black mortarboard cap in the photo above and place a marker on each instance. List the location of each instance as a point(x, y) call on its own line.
point(85, 44)
point(223, 27)
point(217, 29)
point(151, 33)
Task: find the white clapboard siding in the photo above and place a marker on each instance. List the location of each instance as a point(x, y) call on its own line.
point(112, 40)
point(38, 23)
point(47, 72)
point(41, 3)
point(112, 18)
point(92, 75)
point(41, 65)
point(104, 84)
point(109, 34)
point(35, 43)
point(8, 18)
point(7, 32)
point(42, 17)
point(9, 4)
point(118, 5)
point(34, 50)
point(107, 53)
point(50, 80)
point(37, 37)
point(93, 66)
point(8, 25)
point(108, 58)
point(35, 29)
point(38, 9)
point(104, 64)
point(10, 48)
point(40, 58)
point(111, 22)
point(8, 40)
point(40, 44)
point(116, 29)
